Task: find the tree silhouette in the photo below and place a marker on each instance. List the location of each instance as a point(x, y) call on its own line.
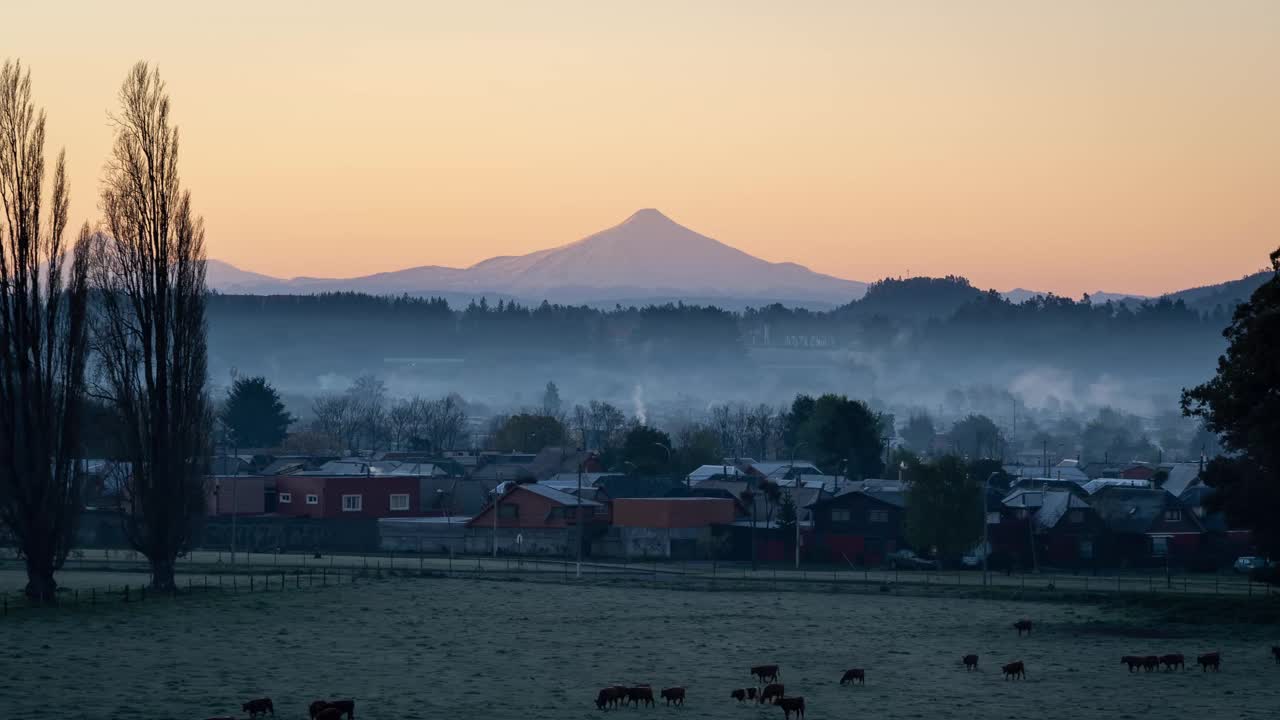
point(151, 334)
point(254, 414)
point(43, 344)
point(1241, 403)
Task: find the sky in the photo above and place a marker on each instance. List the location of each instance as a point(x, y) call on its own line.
point(1066, 147)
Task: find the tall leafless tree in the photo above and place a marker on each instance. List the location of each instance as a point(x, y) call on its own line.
point(43, 343)
point(151, 334)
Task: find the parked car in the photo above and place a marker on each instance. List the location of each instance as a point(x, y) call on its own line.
point(1250, 563)
point(907, 560)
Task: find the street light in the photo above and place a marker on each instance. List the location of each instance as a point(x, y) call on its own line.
point(687, 482)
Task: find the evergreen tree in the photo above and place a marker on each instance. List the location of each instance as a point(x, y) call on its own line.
point(254, 414)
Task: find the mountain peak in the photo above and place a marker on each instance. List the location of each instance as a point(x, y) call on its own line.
point(647, 215)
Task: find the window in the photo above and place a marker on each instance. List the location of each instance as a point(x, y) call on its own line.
point(1086, 549)
point(993, 517)
point(1173, 516)
point(313, 499)
point(286, 497)
point(508, 512)
point(840, 515)
point(1159, 546)
point(1077, 516)
point(399, 502)
point(878, 516)
point(352, 503)
point(556, 513)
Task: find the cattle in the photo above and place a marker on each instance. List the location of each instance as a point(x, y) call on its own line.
point(329, 713)
point(609, 697)
point(854, 675)
point(771, 692)
point(1015, 670)
point(791, 705)
point(673, 695)
point(970, 662)
point(1133, 661)
point(1023, 626)
point(1172, 659)
point(1275, 653)
point(640, 694)
point(261, 706)
point(1150, 662)
point(766, 673)
point(751, 693)
point(740, 694)
point(1210, 660)
point(344, 707)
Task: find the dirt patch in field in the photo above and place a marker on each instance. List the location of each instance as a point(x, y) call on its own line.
point(432, 648)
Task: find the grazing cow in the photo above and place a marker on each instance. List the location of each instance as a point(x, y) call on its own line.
point(1173, 659)
point(640, 694)
point(970, 662)
point(791, 705)
point(329, 713)
point(261, 706)
point(740, 694)
point(1023, 626)
point(610, 697)
point(771, 692)
point(1015, 670)
point(854, 675)
point(344, 707)
point(1210, 660)
point(1150, 662)
point(1133, 661)
point(673, 695)
point(766, 673)
point(751, 693)
point(1275, 653)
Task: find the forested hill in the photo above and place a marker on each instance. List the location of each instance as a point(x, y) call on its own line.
point(938, 328)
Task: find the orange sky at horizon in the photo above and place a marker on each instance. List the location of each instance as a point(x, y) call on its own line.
point(1066, 147)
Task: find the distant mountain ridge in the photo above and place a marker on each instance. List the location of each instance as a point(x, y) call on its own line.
point(646, 257)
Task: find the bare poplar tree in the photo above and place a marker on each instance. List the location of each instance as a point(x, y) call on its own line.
point(151, 334)
point(43, 343)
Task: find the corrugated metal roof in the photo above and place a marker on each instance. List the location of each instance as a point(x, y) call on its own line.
point(1055, 505)
point(1181, 477)
point(556, 496)
point(1093, 486)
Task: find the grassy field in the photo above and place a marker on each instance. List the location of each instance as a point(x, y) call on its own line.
point(431, 648)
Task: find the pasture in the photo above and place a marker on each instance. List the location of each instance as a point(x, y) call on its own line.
point(430, 648)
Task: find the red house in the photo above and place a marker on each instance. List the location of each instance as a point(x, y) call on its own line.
point(336, 496)
point(536, 506)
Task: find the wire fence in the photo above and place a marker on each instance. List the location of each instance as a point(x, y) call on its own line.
point(101, 577)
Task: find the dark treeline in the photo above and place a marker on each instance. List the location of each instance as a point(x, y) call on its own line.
point(912, 316)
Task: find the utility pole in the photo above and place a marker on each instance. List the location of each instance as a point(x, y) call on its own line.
point(497, 498)
point(577, 572)
point(795, 501)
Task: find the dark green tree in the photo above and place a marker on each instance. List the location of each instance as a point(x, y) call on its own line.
point(699, 445)
point(840, 430)
point(794, 420)
point(1241, 404)
point(787, 520)
point(648, 449)
point(1117, 437)
point(943, 511)
point(529, 433)
point(254, 414)
point(919, 433)
point(976, 436)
